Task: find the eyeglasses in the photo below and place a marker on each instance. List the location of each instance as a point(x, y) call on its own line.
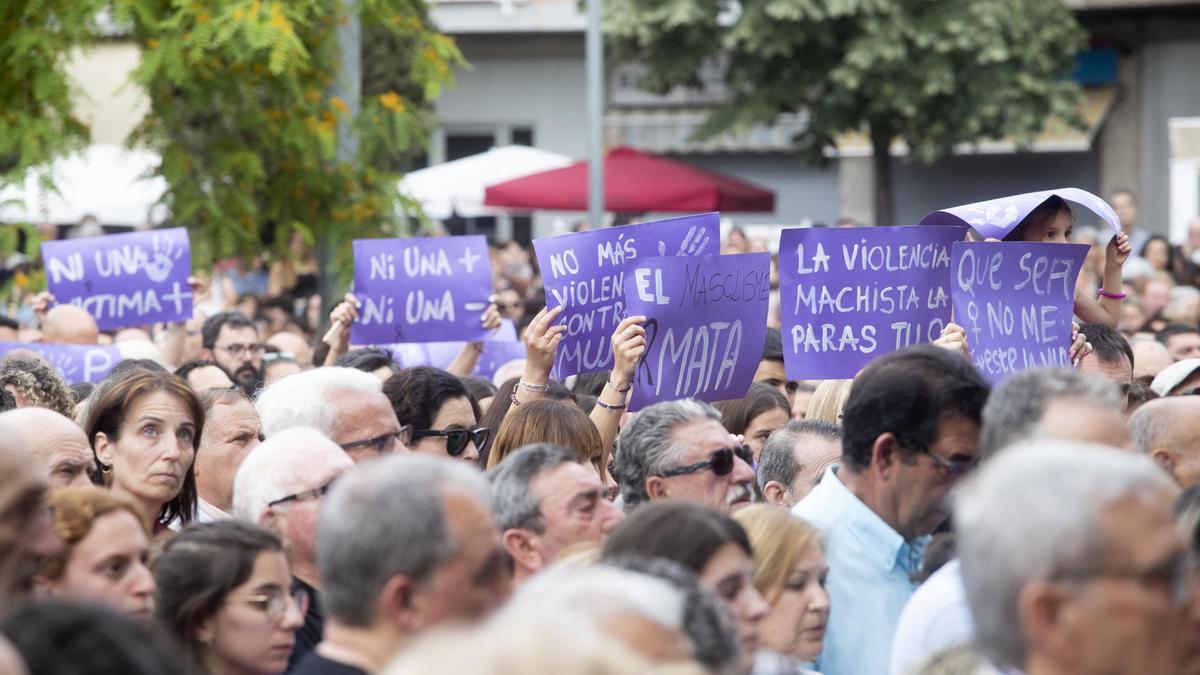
point(236, 350)
point(276, 605)
point(952, 468)
point(1171, 574)
point(315, 493)
point(383, 444)
point(721, 462)
point(456, 439)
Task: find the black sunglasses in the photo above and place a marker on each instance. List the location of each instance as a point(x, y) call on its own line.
point(721, 462)
point(456, 439)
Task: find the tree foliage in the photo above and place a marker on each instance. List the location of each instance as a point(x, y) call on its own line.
point(36, 122)
point(244, 115)
point(931, 73)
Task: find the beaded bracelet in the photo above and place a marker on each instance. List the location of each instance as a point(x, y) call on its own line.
point(535, 387)
point(1113, 296)
point(618, 389)
point(607, 406)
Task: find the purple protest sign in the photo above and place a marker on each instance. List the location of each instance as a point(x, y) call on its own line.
point(995, 218)
point(498, 349)
point(421, 289)
point(582, 273)
point(123, 279)
point(850, 295)
point(76, 363)
point(1015, 301)
point(705, 327)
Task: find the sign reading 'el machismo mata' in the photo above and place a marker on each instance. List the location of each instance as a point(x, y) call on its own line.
point(584, 274)
point(706, 320)
point(421, 289)
point(123, 279)
point(851, 295)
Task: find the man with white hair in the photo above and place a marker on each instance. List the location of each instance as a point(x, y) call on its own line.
point(345, 404)
point(679, 450)
point(1072, 563)
point(280, 485)
point(58, 445)
point(1165, 429)
point(545, 501)
point(405, 542)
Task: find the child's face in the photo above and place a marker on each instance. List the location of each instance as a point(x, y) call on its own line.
point(1056, 230)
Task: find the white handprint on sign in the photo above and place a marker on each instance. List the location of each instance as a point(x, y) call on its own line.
point(64, 364)
point(162, 260)
point(693, 243)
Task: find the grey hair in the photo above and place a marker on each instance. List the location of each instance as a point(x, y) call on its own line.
point(513, 502)
point(1057, 489)
point(777, 461)
point(277, 466)
point(305, 398)
point(596, 593)
point(644, 446)
point(1153, 423)
point(1014, 409)
point(382, 519)
point(709, 625)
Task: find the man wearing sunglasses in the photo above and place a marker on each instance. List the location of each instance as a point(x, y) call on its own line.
point(1072, 564)
point(910, 432)
point(281, 485)
point(345, 404)
point(679, 450)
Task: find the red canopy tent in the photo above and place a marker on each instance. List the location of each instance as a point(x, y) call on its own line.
point(634, 182)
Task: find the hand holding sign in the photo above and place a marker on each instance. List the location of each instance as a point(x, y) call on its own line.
point(542, 337)
point(628, 345)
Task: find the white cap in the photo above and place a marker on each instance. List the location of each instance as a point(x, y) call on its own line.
point(1174, 375)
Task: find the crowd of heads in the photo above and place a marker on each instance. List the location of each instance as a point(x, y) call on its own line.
point(249, 498)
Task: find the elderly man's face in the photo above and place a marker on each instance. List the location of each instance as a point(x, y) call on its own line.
point(474, 580)
point(362, 416)
point(26, 532)
point(921, 488)
point(230, 432)
point(1126, 610)
point(296, 521)
point(574, 507)
point(699, 440)
point(1081, 419)
point(813, 455)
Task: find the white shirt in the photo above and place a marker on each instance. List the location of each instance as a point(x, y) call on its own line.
point(936, 618)
point(207, 513)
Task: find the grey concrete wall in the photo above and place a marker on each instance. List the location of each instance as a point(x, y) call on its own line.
point(1171, 88)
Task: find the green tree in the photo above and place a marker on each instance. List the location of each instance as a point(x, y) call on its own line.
point(243, 115)
point(930, 73)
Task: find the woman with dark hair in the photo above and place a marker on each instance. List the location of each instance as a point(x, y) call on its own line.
point(481, 390)
point(756, 415)
point(710, 544)
point(443, 415)
point(378, 362)
point(107, 548)
point(549, 421)
point(224, 594)
point(144, 427)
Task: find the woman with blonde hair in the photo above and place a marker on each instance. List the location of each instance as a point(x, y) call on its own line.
point(107, 548)
point(829, 400)
point(789, 572)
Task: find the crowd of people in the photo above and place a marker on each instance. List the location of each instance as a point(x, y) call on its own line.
point(248, 493)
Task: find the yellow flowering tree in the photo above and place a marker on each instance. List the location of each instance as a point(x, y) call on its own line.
point(244, 116)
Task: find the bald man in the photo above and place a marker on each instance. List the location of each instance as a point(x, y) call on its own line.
point(26, 534)
point(291, 343)
point(69, 325)
point(57, 444)
point(1150, 357)
point(1166, 430)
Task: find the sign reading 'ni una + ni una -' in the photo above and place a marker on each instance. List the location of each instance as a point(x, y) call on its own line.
point(76, 363)
point(498, 349)
point(123, 279)
point(706, 321)
point(851, 295)
point(1015, 302)
point(584, 274)
point(423, 289)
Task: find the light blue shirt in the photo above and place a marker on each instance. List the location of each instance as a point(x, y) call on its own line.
point(869, 578)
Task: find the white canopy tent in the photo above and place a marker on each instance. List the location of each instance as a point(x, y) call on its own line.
point(106, 181)
point(456, 187)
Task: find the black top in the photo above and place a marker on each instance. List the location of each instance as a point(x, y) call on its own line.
point(315, 664)
point(308, 635)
